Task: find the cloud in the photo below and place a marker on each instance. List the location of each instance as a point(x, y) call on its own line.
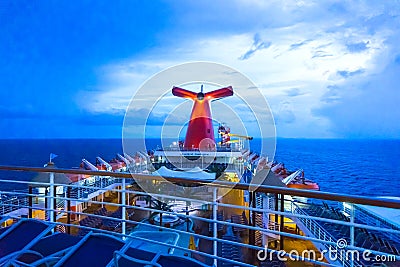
point(96, 119)
point(258, 44)
point(294, 92)
point(82, 118)
point(298, 45)
point(321, 53)
point(332, 95)
point(19, 112)
point(357, 47)
point(347, 74)
point(371, 111)
point(143, 116)
point(397, 59)
point(326, 54)
point(285, 114)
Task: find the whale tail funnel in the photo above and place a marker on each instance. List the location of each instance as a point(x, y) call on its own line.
point(200, 133)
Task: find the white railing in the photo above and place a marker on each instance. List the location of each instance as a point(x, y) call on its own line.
point(319, 232)
point(216, 238)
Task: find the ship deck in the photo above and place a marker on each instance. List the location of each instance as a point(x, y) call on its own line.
point(229, 231)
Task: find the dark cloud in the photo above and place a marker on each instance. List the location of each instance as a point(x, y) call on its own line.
point(321, 53)
point(294, 92)
point(347, 74)
point(332, 95)
point(357, 47)
point(258, 44)
point(144, 117)
point(397, 59)
point(337, 8)
point(297, 45)
point(79, 118)
point(18, 112)
point(369, 110)
point(100, 119)
point(285, 114)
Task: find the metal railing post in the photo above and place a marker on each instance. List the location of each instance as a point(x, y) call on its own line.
point(46, 204)
point(51, 199)
point(252, 219)
point(276, 200)
point(30, 201)
point(69, 209)
point(352, 231)
point(123, 201)
point(282, 225)
point(215, 232)
point(315, 224)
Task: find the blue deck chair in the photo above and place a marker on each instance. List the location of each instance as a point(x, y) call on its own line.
point(136, 260)
point(49, 248)
point(2, 230)
point(130, 256)
point(133, 257)
point(93, 250)
point(21, 236)
point(179, 261)
point(127, 254)
point(122, 260)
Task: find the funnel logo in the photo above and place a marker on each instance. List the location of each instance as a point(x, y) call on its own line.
point(200, 121)
point(200, 132)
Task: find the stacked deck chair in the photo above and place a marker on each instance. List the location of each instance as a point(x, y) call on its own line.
point(89, 222)
point(177, 261)
point(21, 237)
point(230, 251)
point(239, 219)
point(114, 222)
point(94, 249)
point(132, 257)
point(220, 217)
point(48, 249)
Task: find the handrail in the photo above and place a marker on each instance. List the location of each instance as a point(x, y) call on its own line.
point(123, 204)
point(373, 201)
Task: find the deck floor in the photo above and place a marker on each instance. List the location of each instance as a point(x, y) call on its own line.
point(202, 228)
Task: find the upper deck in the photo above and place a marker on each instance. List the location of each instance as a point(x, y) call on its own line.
point(235, 230)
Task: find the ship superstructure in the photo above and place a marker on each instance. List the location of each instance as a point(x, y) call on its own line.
point(200, 147)
point(227, 157)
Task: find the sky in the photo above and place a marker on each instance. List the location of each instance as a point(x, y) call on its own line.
point(328, 69)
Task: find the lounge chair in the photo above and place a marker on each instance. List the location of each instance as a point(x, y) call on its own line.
point(122, 260)
point(129, 256)
point(49, 248)
point(92, 250)
point(177, 261)
point(22, 236)
point(128, 259)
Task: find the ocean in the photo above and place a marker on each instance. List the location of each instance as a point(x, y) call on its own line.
point(358, 167)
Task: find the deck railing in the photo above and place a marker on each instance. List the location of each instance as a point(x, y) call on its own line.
point(226, 233)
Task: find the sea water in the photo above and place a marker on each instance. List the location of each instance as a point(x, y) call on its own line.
point(360, 167)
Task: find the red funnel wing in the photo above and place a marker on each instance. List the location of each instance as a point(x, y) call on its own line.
point(200, 132)
point(220, 93)
point(176, 91)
